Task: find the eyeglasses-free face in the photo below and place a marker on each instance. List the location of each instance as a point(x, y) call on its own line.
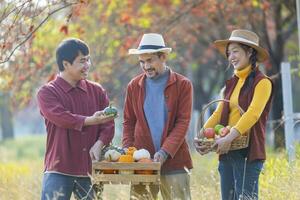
point(237, 56)
point(79, 69)
point(153, 64)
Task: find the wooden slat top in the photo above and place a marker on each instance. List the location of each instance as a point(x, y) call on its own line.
point(126, 178)
point(126, 166)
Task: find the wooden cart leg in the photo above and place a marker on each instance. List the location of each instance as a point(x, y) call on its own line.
point(98, 188)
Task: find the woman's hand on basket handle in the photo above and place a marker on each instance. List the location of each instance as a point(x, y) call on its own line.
point(201, 133)
point(201, 149)
point(223, 144)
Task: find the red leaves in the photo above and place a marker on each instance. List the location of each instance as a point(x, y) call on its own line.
point(96, 77)
point(80, 31)
point(129, 42)
point(64, 29)
point(125, 18)
point(165, 3)
point(2, 46)
point(51, 77)
point(84, 1)
point(77, 10)
point(6, 45)
point(22, 78)
point(31, 28)
point(266, 6)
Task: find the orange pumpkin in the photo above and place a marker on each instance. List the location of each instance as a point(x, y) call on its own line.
point(126, 159)
point(131, 150)
point(147, 172)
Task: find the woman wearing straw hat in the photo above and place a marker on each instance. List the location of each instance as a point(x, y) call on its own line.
point(157, 113)
point(252, 91)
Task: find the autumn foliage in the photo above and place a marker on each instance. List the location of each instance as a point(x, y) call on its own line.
point(111, 27)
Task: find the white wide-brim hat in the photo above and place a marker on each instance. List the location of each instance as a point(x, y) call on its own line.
point(246, 37)
point(151, 43)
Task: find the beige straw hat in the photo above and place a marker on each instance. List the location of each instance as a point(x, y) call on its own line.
point(245, 37)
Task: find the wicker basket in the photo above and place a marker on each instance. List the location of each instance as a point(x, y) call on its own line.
point(240, 142)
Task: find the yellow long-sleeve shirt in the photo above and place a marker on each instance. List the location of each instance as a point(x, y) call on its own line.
point(260, 98)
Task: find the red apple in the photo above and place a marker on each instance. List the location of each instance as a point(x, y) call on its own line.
point(224, 131)
point(209, 133)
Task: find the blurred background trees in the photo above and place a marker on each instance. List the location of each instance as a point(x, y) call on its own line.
point(111, 27)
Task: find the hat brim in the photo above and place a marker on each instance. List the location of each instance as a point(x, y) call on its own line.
point(262, 54)
point(143, 51)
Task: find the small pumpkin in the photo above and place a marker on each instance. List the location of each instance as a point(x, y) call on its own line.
point(111, 147)
point(146, 172)
point(140, 154)
point(126, 159)
point(131, 150)
point(112, 155)
point(110, 110)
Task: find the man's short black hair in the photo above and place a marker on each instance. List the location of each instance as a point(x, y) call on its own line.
point(68, 50)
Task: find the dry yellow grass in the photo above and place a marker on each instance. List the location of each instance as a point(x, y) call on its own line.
point(20, 179)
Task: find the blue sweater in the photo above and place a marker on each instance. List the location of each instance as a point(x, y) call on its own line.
point(155, 107)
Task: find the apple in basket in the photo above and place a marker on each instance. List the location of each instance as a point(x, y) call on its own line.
point(224, 131)
point(209, 133)
point(217, 128)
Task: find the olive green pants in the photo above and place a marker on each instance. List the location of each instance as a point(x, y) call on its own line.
point(173, 186)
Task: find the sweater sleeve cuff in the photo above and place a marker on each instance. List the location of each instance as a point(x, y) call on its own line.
point(166, 152)
point(104, 139)
point(166, 155)
point(79, 125)
point(240, 130)
point(107, 134)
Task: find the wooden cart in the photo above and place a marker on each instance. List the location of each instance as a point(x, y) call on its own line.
point(99, 178)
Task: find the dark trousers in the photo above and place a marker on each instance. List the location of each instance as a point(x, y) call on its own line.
point(239, 178)
point(60, 187)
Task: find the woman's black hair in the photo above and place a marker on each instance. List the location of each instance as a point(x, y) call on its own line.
point(253, 59)
point(68, 50)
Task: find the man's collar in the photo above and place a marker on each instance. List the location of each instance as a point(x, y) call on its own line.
point(82, 85)
point(68, 87)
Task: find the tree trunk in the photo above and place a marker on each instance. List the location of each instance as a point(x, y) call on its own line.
point(6, 117)
point(277, 108)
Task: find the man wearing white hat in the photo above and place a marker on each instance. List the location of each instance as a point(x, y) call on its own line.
point(157, 114)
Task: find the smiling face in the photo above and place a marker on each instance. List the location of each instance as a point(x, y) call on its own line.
point(238, 56)
point(79, 69)
point(153, 64)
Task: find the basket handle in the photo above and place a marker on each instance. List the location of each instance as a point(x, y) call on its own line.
point(201, 119)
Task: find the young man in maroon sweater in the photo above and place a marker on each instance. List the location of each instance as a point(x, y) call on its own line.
point(76, 126)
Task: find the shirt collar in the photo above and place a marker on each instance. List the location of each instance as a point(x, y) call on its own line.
point(68, 87)
point(82, 85)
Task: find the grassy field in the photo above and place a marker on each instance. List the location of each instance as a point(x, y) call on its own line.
point(21, 166)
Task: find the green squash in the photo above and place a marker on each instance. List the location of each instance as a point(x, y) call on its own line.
point(110, 111)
